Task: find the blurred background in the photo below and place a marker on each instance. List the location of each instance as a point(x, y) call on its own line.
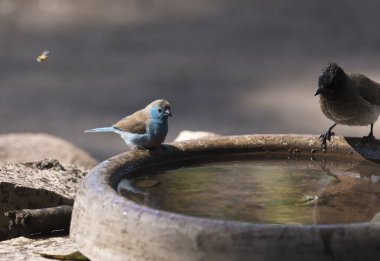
point(228, 66)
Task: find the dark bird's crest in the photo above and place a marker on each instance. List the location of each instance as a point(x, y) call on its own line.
point(331, 74)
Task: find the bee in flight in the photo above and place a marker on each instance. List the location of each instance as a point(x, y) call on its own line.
point(43, 57)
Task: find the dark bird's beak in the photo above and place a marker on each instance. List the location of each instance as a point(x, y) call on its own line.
point(320, 90)
point(168, 112)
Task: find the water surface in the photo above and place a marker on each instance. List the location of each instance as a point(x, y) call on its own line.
point(275, 191)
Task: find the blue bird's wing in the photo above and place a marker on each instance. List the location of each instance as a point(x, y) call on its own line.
point(135, 123)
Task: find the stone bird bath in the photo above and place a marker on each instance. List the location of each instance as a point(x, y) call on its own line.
point(107, 226)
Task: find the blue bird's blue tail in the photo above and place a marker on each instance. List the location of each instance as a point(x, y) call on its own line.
point(105, 129)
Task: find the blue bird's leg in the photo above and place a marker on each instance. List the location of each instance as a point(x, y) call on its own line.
point(327, 136)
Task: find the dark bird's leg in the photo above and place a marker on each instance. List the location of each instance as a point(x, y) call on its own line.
point(370, 136)
point(327, 136)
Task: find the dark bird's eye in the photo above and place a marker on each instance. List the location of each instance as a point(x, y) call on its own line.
point(159, 110)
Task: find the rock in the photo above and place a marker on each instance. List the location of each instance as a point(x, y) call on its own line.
point(376, 217)
point(21, 248)
point(192, 135)
point(40, 184)
point(20, 147)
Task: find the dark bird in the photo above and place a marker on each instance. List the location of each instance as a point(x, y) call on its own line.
point(348, 99)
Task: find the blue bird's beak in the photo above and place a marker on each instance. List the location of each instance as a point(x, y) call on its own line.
point(168, 112)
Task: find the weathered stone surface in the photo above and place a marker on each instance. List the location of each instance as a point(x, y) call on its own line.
point(192, 135)
point(20, 147)
point(21, 248)
point(40, 184)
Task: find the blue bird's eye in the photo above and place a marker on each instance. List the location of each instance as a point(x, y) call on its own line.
point(159, 110)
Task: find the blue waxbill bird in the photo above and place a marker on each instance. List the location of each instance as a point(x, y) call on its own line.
point(349, 99)
point(146, 128)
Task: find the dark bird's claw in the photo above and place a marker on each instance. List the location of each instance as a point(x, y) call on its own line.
point(368, 139)
point(326, 137)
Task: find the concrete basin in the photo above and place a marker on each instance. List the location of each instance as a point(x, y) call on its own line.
point(107, 226)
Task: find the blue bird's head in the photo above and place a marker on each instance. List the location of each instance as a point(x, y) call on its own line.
point(160, 110)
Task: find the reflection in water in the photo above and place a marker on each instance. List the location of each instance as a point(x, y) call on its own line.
point(265, 191)
point(354, 197)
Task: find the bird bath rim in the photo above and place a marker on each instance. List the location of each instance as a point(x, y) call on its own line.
point(107, 226)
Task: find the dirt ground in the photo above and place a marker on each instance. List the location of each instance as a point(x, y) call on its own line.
point(232, 67)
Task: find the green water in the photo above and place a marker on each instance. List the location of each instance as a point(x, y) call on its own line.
point(280, 192)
